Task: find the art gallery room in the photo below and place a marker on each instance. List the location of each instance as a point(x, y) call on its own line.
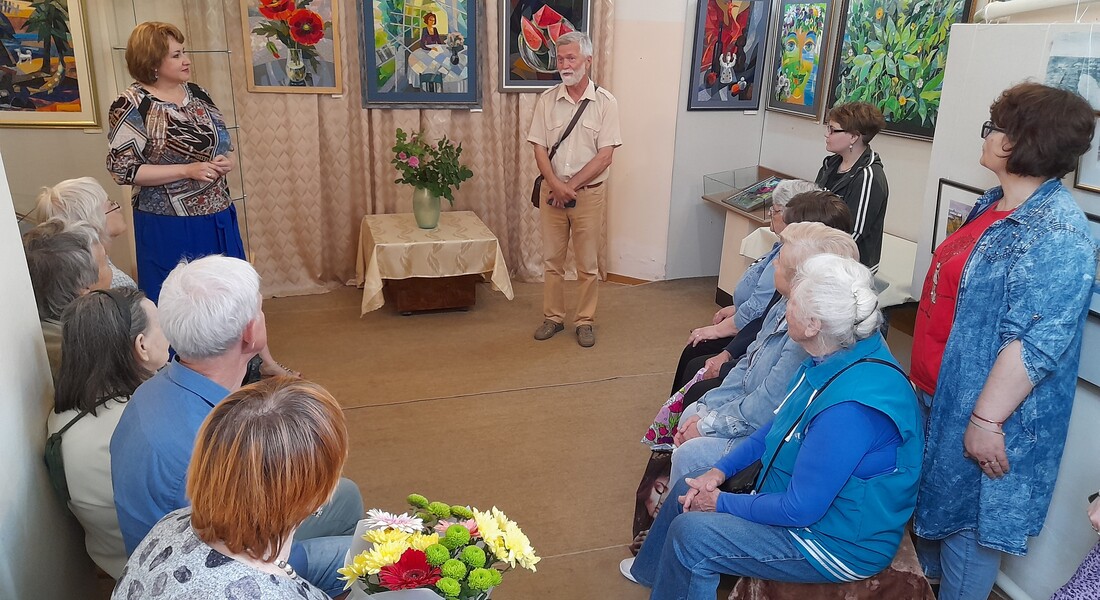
point(480, 366)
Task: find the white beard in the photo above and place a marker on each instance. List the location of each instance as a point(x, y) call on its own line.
point(575, 77)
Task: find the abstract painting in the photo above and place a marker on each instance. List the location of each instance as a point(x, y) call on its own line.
point(294, 46)
point(893, 54)
point(529, 30)
point(728, 57)
point(418, 53)
point(799, 58)
point(45, 74)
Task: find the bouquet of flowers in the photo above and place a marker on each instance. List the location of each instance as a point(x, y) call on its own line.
point(434, 168)
point(293, 25)
point(455, 41)
point(457, 552)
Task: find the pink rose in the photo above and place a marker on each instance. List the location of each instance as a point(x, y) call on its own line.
point(414, 161)
point(402, 156)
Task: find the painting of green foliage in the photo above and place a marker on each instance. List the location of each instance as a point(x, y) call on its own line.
point(893, 54)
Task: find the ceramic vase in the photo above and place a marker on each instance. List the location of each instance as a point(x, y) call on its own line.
point(295, 68)
point(425, 208)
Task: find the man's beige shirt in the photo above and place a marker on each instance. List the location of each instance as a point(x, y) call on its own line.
point(598, 128)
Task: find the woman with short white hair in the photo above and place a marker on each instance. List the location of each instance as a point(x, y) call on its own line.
point(84, 199)
point(839, 466)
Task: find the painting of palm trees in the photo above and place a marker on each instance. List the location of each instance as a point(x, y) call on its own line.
point(45, 75)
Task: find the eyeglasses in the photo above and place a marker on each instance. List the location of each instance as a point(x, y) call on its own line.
point(830, 130)
point(988, 127)
point(776, 209)
point(114, 206)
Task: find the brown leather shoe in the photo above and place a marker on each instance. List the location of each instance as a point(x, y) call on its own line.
point(548, 329)
point(585, 336)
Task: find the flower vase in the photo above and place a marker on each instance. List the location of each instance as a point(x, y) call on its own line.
point(425, 208)
point(454, 54)
point(295, 68)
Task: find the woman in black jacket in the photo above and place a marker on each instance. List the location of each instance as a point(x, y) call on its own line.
point(854, 172)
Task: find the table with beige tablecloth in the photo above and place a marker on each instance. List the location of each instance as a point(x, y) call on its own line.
point(393, 247)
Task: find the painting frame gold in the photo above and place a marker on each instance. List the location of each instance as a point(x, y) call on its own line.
point(275, 67)
point(88, 115)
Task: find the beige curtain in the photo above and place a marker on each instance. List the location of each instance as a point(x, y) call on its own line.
point(314, 165)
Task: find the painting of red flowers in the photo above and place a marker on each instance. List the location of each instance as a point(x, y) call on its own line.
point(411, 572)
point(294, 46)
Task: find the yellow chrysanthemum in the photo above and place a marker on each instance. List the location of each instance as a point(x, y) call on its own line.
point(382, 536)
point(421, 541)
point(490, 531)
point(383, 555)
point(519, 546)
point(354, 570)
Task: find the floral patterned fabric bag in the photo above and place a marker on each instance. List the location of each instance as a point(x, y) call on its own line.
point(659, 435)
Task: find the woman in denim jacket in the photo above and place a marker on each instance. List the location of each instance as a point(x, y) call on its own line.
point(1022, 268)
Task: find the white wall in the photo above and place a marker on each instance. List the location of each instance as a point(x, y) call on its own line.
point(43, 547)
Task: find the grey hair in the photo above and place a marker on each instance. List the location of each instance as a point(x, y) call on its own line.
point(206, 304)
point(580, 39)
point(72, 200)
point(803, 240)
point(789, 188)
point(61, 264)
point(840, 293)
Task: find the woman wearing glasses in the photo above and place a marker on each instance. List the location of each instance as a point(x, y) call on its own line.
point(997, 343)
point(854, 172)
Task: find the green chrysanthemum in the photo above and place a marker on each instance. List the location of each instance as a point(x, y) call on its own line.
point(440, 510)
point(456, 537)
point(424, 515)
point(473, 556)
point(437, 555)
point(417, 500)
point(454, 569)
point(451, 588)
point(461, 512)
point(481, 579)
point(497, 577)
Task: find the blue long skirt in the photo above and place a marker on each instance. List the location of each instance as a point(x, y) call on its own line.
point(162, 241)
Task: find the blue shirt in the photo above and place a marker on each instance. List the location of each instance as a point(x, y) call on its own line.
point(754, 290)
point(151, 447)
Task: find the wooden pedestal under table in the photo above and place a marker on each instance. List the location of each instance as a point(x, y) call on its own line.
point(427, 269)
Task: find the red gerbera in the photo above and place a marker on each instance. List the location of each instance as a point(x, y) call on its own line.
point(276, 9)
point(410, 572)
point(306, 27)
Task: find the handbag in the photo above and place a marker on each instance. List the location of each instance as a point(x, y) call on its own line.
point(746, 480)
point(536, 190)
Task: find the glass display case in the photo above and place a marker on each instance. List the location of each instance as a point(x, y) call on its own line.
point(746, 190)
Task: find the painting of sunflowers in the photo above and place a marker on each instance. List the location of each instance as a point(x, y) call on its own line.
point(893, 54)
point(294, 46)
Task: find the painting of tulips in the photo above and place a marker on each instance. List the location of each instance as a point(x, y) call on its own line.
point(294, 46)
point(529, 32)
point(893, 54)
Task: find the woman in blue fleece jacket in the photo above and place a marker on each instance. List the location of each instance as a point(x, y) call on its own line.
point(841, 461)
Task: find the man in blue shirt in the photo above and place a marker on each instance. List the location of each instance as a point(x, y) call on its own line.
point(210, 310)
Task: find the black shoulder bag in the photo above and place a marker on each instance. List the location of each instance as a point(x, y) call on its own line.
point(55, 465)
point(537, 189)
point(746, 480)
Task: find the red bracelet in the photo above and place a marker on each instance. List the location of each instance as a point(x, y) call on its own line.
point(997, 423)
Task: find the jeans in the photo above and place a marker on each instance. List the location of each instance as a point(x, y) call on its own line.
point(967, 570)
point(322, 541)
point(685, 553)
point(699, 454)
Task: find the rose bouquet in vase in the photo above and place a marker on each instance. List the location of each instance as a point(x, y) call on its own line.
point(453, 552)
point(434, 170)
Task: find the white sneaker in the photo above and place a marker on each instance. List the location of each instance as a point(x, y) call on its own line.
point(624, 568)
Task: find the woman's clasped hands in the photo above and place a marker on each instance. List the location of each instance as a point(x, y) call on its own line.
point(210, 170)
point(702, 495)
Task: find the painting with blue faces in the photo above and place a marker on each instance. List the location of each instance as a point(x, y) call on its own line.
point(799, 58)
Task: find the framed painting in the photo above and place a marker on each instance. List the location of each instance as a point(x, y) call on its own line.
point(1087, 176)
point(419, 53)
point(1094, 303)
point(1072, 65)
point(727, 64)
point(954, 201)
point(294, 46)
point(799, 58)
point(45, 70)
point(892, 54)
point(529, 29)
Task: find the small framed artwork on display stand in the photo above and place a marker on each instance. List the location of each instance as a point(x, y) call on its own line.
point(800, 57)
point(728, 59)
point(1087, 176)
point(954, 202)
point(529, 31)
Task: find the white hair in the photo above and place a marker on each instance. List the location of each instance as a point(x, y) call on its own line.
point(803, 240)
point(789, 188)
point(839, 292)
point(72, 200)
point(206, 304)
point(580, 39)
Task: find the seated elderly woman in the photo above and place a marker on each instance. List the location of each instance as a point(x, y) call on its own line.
point(840, 462)
point(84, 199)
point(65, 261)
point(265, 458)
point(816, 206)
point(750, 297)
point(750, 393)
point(112, 342)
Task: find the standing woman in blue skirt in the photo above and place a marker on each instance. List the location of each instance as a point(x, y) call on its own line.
point(169, 142)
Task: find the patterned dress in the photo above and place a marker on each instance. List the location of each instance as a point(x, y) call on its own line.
point(1085, 583)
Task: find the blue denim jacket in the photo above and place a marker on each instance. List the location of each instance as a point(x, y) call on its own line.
point(1028, 278)
point(755, 290)
point(751, 391)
